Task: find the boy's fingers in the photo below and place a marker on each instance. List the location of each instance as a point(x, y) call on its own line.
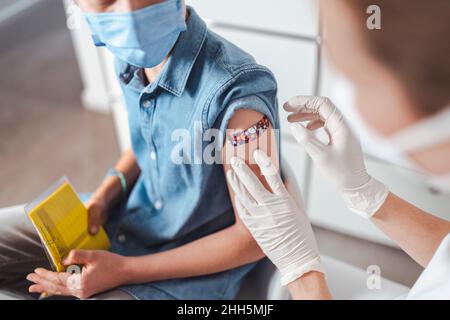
point(95, 216)
point(78, 257)
point(47, 285)
point(49, 275)
point(36, 288)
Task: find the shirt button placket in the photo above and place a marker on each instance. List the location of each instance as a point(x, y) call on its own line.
point(158, 204)
point(121, 238)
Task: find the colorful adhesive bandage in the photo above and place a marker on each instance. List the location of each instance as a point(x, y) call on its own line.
point(250, 134)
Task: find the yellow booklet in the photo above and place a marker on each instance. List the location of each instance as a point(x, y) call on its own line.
point(61, 221)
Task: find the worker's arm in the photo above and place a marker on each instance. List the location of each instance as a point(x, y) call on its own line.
point(418, 233)
point(311, 286)
point(341, 161)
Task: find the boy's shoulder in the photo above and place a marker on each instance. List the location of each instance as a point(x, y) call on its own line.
point(228, 78)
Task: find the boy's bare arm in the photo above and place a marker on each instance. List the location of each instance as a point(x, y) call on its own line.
point(223, 250)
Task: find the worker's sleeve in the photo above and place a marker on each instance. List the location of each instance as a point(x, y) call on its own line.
point(434, 282)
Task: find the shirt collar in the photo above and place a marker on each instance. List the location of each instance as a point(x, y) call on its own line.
point(175, 73)
point(179, 66)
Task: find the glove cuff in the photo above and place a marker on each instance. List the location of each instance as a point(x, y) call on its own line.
point(366, 199)
point(295, 271)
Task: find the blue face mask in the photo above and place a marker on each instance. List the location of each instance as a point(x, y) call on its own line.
point(142, 38)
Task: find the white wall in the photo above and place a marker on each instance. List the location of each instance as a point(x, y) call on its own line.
point(10, 8)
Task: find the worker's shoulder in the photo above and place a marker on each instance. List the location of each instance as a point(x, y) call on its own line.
point(227, 62)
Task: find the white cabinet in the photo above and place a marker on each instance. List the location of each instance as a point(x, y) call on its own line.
point(298, 164)
point(296, 17)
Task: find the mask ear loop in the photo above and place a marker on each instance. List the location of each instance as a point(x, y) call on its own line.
point(430, 131)
point(97, 41)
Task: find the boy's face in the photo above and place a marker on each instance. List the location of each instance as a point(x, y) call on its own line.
point(98, 6)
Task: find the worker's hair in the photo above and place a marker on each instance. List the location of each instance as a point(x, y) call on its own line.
point(413, 43)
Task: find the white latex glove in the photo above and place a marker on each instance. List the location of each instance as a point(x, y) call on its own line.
point(341, 160)
point(280, 227)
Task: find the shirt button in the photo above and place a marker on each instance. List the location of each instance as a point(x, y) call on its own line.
point(146, 104)
point(158, 204)
point(153, 155)
point(121, 238)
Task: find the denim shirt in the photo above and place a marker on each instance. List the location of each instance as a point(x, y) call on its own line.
point(205, 80)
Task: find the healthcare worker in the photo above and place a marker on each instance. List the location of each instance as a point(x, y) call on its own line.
point(401, 77)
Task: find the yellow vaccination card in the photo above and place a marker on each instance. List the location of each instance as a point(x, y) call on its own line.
point(61, 221)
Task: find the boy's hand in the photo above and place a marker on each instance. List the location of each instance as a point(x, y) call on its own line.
point(98, 208)
point(101, 271)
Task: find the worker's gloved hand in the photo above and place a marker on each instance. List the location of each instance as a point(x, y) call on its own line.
point(276, 221)
point(341, 160)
